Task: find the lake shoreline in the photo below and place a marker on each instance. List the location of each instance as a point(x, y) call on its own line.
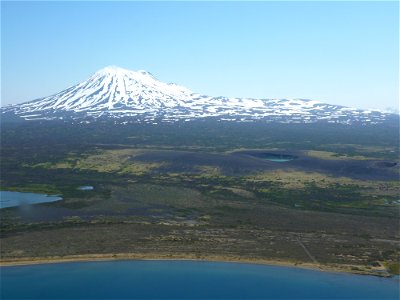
point(361, 270)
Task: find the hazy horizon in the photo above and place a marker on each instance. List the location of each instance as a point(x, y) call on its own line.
point(343, 53)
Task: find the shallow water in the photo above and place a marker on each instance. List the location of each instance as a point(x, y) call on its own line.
point(276, 157)
point(86, 188)
point(279, 159)
point(11, 199)
point(186, 279)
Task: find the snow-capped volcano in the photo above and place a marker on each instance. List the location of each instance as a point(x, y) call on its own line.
point(138, 96)
point(112, 88)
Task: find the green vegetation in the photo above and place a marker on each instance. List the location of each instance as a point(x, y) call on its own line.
point(394, 268)
point(335, 155)
point(106, 161)
point(34, 188)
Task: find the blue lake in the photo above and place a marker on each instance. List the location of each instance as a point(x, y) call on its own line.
point(274, 157)
point(186, 279)
point(86, 188)
point(277, 157)
point(10, 199)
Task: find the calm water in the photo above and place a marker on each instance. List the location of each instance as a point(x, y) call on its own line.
point(186, 279)
point(277, 157)
point(86, 188)
point(10, 199)
point(274, 157)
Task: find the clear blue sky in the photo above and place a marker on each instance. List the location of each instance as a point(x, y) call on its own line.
point(336, 52)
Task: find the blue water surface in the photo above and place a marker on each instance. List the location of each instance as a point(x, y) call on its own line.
point(11, 199)
point(186, 280)
point(86, 188)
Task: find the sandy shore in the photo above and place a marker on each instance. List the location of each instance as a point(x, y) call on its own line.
point(213, 258)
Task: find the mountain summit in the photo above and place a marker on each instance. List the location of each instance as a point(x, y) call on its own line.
point(137, 96)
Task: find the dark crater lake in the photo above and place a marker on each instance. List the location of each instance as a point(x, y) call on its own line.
point(274, 157)
point(186, 280)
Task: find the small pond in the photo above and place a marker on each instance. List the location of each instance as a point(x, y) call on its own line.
point(274, 157)
point(11, 199)
point(86, 188)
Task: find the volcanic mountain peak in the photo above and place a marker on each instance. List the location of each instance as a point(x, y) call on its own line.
point(138, 96)
point(117, 72)
point(122, 77)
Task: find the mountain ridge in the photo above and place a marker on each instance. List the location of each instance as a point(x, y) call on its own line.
point(138, 96)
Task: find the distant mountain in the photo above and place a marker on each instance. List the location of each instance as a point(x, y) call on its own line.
point(129, 96)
